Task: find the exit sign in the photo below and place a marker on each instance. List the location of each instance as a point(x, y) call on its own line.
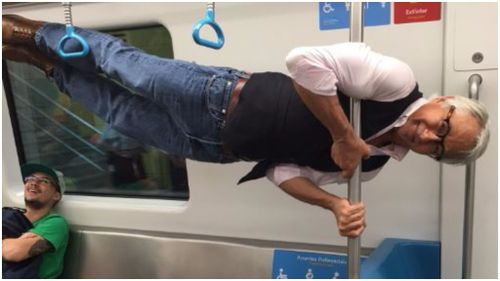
point(405, 12)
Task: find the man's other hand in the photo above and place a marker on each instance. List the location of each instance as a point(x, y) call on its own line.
point(350, 218)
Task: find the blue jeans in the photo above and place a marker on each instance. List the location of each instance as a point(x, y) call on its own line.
point(178, 107)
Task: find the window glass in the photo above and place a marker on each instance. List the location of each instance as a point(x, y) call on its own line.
point(95, 159)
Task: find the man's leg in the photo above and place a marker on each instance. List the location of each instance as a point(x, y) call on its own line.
point(130, 114)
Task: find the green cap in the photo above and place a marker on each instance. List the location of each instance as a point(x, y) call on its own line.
point(31, 168)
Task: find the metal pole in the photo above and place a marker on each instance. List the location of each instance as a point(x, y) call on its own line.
point(470, 176)
point(354, 193)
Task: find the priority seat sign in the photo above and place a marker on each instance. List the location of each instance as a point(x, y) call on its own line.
point(308, 265)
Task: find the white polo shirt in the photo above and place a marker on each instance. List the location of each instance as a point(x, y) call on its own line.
point(358, 72)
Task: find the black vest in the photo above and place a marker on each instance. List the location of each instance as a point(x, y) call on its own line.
point(272, 125)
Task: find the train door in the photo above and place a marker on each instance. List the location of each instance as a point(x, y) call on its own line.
point(471, 30)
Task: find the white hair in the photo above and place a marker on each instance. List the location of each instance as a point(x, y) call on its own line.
point(478, 110)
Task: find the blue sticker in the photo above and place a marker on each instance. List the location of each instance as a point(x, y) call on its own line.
point(377, 13)
point(335, 15)
point(308, 265)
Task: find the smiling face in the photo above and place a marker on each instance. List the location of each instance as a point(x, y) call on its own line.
point(40, 191)
point(426, 131)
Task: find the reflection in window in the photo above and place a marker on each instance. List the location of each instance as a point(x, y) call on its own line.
point(95, 159)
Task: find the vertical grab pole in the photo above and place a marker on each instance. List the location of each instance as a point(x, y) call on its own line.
point(470, 176)
point(354, 193)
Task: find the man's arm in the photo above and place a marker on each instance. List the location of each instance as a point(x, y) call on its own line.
point(26, 246)
point(328, 110)
point(350, 218)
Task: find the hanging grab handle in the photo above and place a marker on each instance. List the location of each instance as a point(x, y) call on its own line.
point(70, 34)
point(209, 20)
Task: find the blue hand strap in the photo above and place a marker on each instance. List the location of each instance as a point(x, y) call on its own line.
point(70, 33)
point(208, 20)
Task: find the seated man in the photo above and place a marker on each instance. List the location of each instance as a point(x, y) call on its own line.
point(295, 127)
point(47, 233)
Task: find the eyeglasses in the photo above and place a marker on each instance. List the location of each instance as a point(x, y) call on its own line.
point(44, 181)
point(442, 132)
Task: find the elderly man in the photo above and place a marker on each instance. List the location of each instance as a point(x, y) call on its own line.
point(295, 127)
point(39, 251)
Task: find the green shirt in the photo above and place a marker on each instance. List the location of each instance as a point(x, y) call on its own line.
point(54, 229)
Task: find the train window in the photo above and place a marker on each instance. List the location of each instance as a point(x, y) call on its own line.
point(95, 159)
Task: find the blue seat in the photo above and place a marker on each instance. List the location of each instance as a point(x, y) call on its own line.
point(401, 258)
